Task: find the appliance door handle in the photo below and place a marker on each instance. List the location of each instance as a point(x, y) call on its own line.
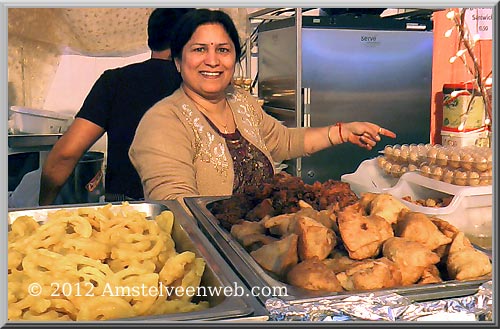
point(307, 107)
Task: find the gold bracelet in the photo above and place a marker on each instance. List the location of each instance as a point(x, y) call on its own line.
point(330, 137)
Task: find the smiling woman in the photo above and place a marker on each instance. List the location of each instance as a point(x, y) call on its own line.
point(219, 140)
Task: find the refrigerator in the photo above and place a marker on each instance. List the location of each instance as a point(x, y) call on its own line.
point(318, 70)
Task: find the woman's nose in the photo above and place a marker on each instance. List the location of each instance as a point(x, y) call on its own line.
point(212, 59)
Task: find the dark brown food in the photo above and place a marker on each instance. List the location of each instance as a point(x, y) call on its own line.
point(282, 195)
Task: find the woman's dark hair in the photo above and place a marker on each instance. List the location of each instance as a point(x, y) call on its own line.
point(188, 23)
point(160, 25)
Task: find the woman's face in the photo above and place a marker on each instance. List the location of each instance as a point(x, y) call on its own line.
point(208, 61)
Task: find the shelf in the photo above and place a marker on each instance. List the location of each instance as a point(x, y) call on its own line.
point(33, 140)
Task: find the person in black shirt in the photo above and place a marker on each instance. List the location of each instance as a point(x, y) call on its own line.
point(116, 104)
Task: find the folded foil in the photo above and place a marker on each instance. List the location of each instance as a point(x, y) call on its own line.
point(380, 306)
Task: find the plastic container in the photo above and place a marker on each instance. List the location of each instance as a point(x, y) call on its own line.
point(470, 209)
point(36, 121)
point(456, 99)
point(369, 178)
point(449, 138)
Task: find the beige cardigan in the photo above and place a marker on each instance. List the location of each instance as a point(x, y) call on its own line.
point(177, 153)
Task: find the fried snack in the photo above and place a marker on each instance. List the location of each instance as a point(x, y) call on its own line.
point(410, 256)
point(386, 206)
point(255, 241)
point(416, 226)
point(339, 262)
point(278, 257)
point(324, 217)
point(370, 274)
point(430, 275)
point(239, 231)
point(315, 240)
point(362, 235)
point(449, 231)
point(445, 227)
point(366, 200)
point(312, 274)
point(83, 258)
point(464, 261)
point(280, 225)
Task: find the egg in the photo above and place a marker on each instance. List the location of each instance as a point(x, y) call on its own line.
point(466, 161)
point(388, 151)
point(485, 177)
point(425, 170)
point(436, 172)
point(447, 176)
point(473, 178)
point(396, 170)
point(387, 168)
point(460, 178)
point(480, 162)
point(413, 156)
point(396, 154)
point(381, 160)
point(489, 160)
point(442, 157)
point(412, 167)
point(431, 155)
point(404, 155)
point(404, 169)
point(454, 160)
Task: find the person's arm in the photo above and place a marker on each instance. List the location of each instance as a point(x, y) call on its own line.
point(64, 156)
point(363, 134)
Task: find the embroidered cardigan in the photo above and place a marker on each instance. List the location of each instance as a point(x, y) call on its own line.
point(177, 153)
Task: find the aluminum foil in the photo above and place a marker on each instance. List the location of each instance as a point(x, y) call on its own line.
point(379, 306)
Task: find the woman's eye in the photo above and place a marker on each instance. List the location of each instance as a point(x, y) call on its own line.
point(199, 49)
point(224, 50)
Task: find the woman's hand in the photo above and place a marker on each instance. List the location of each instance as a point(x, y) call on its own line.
point(364, 134)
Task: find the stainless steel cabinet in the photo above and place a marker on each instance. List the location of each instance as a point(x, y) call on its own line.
point(347, 69)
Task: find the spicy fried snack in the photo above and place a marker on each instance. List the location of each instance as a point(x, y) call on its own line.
point(315, 240)
point(449, 231)
point(430, 275)
point(280, 225)
point(278, 257)
point(370, 274)
point(245, 228)
point(97, 250)
point(362, 235)
point(410, 256)
point(386, 206)
point(418, 227)
point(338, 261)
point(312, 274)
point(464, 261)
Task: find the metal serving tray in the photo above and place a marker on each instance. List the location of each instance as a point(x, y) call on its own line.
point(251, 272)
point(187, 237)
point(33, 140)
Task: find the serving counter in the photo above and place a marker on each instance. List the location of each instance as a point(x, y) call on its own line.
point(261, 296)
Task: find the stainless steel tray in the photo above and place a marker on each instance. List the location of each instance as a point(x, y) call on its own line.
point(255, 276)
point(187, 236)
point(32, 140)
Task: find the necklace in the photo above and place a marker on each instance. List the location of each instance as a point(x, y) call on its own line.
point(205, 112)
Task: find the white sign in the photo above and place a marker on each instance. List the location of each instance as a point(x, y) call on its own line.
point(479, 21)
